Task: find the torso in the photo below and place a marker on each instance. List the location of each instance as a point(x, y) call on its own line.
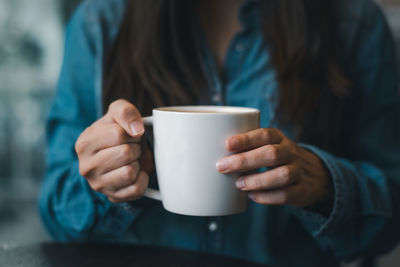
point(220, 24)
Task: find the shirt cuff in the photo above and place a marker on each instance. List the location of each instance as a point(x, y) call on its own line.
point(343, 203)
point(114, 219)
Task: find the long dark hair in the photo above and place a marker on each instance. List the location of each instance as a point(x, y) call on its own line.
point(155, 61)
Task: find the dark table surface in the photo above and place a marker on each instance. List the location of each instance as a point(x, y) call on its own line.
point(99, 255)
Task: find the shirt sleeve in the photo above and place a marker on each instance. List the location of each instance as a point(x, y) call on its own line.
point(366, 211)
point(70, 209)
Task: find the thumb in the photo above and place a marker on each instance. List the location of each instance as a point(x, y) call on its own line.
point(127, 116)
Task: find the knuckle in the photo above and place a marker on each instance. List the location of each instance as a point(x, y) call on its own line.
point(245, 139)
point(276, 131)
point(130, 171)
point(85, 169)
point(118, 133)
point(284, 181)
point(115, 104)
point(289, 175)
point(265, 134)
point(81, 144)
point(110, 190)
point(136, 168)
point(126, 152)
point(127, 111)
point(286, 172)
point(273, 153)
point(242, 161)
point(98, 187)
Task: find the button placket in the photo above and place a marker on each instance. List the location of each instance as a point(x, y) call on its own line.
point(216, 98)
point(239, 47)
point(214, 229)
point(213, 226)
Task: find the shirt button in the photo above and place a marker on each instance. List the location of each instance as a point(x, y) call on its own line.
point(239, 47)
point(216, 98)
point(127, 207)
point(212, 226)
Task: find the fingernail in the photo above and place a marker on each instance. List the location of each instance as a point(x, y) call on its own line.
point(222, 165)
point(137, 128)
point(240, 183)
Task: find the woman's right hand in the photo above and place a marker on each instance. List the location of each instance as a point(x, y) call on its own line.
point(112, 156)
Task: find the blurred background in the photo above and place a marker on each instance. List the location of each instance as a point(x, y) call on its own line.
point(31, 47)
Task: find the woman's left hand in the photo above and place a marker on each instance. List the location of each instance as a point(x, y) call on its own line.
point(296, 176)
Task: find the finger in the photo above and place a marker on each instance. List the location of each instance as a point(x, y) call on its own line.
point(127, 116)
point(117, 156)
point(113, 181)
point(282, 176)
point(113, 200)
point(274, 197)
point(265, 156)
point(133, 191)
point(147, 159)
point(102, 136)
point(254, 139)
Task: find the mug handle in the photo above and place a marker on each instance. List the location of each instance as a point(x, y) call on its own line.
point(151, 193)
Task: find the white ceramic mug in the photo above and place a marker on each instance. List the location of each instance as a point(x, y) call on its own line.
point(188, 141)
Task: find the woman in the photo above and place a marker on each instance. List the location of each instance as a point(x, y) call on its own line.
point(321, 72)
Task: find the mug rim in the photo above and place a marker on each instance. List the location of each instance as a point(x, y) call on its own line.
point(225, 110)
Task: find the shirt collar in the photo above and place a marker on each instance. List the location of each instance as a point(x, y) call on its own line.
point(249, 15)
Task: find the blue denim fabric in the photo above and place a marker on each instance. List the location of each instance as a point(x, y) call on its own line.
point(363, 158)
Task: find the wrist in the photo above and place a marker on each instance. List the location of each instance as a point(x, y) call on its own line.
point(325, 192)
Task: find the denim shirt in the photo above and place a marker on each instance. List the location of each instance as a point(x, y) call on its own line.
point(363, 158)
